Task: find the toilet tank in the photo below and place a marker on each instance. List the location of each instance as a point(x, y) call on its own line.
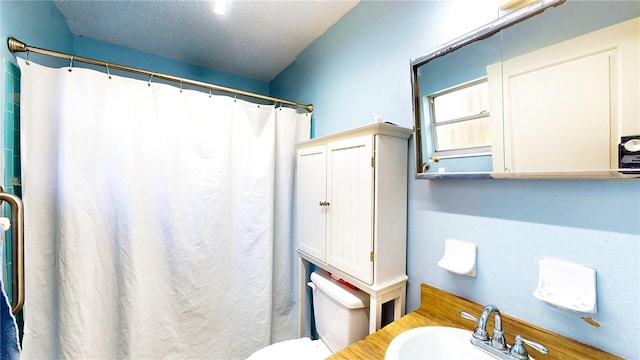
point(341, 313)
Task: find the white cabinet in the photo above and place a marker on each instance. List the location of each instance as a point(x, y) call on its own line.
point(350, 178)
point(335, 202)
point(351, 209)
point(311, 194)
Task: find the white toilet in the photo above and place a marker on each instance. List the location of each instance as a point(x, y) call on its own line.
point(342, 318)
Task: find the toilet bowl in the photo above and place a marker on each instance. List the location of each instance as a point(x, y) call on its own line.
point(342, 318)
point(294, 349)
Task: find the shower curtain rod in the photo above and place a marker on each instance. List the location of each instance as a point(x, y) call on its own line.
point(16, 45)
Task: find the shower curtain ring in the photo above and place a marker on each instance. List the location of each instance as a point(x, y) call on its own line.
point(108, 73)
point(71, 64)
point(26, 60)
point(181, 87)
point(150, 77)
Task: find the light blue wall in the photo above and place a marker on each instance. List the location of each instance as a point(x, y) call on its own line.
point(361, 65)
point(37, 23)
point(120, 55)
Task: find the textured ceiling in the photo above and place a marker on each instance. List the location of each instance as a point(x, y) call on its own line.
point(256, 39)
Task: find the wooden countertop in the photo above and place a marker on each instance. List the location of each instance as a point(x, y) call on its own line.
point(440, 308)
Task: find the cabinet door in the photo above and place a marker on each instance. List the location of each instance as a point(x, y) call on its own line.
point(350, 216)
point(311, 199)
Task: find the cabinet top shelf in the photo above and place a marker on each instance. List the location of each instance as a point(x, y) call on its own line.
point(374, 129)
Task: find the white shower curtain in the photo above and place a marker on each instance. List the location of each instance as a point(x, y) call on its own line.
point(157, 221)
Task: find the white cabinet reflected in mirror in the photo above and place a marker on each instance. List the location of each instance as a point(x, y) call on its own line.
point(549, 91)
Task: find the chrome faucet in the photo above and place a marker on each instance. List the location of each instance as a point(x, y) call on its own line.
point(496, 345)
point(497, 340)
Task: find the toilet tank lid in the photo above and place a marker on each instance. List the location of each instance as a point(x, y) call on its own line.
point(349, 298)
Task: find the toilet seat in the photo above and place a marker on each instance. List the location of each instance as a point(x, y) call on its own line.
point(294, 349)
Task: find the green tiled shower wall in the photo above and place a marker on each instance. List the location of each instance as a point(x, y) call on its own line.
point(11, 153)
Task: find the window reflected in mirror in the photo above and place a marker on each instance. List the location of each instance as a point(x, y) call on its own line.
point(460, 119)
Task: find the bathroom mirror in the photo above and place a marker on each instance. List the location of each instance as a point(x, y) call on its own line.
point(548, 91)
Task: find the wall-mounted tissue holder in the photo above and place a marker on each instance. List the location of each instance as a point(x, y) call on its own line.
point(566, 285)
point(459, 257)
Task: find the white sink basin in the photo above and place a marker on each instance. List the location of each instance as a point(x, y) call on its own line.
point(434, 342)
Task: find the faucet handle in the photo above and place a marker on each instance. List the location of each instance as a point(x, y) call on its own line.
point(468, 316)
point(497, 340)
point(479, 333)
point(518, 350)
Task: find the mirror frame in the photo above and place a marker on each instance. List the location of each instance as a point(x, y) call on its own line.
point(475, 35)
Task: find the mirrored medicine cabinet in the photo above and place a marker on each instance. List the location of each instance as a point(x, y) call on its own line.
point(547, 91)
